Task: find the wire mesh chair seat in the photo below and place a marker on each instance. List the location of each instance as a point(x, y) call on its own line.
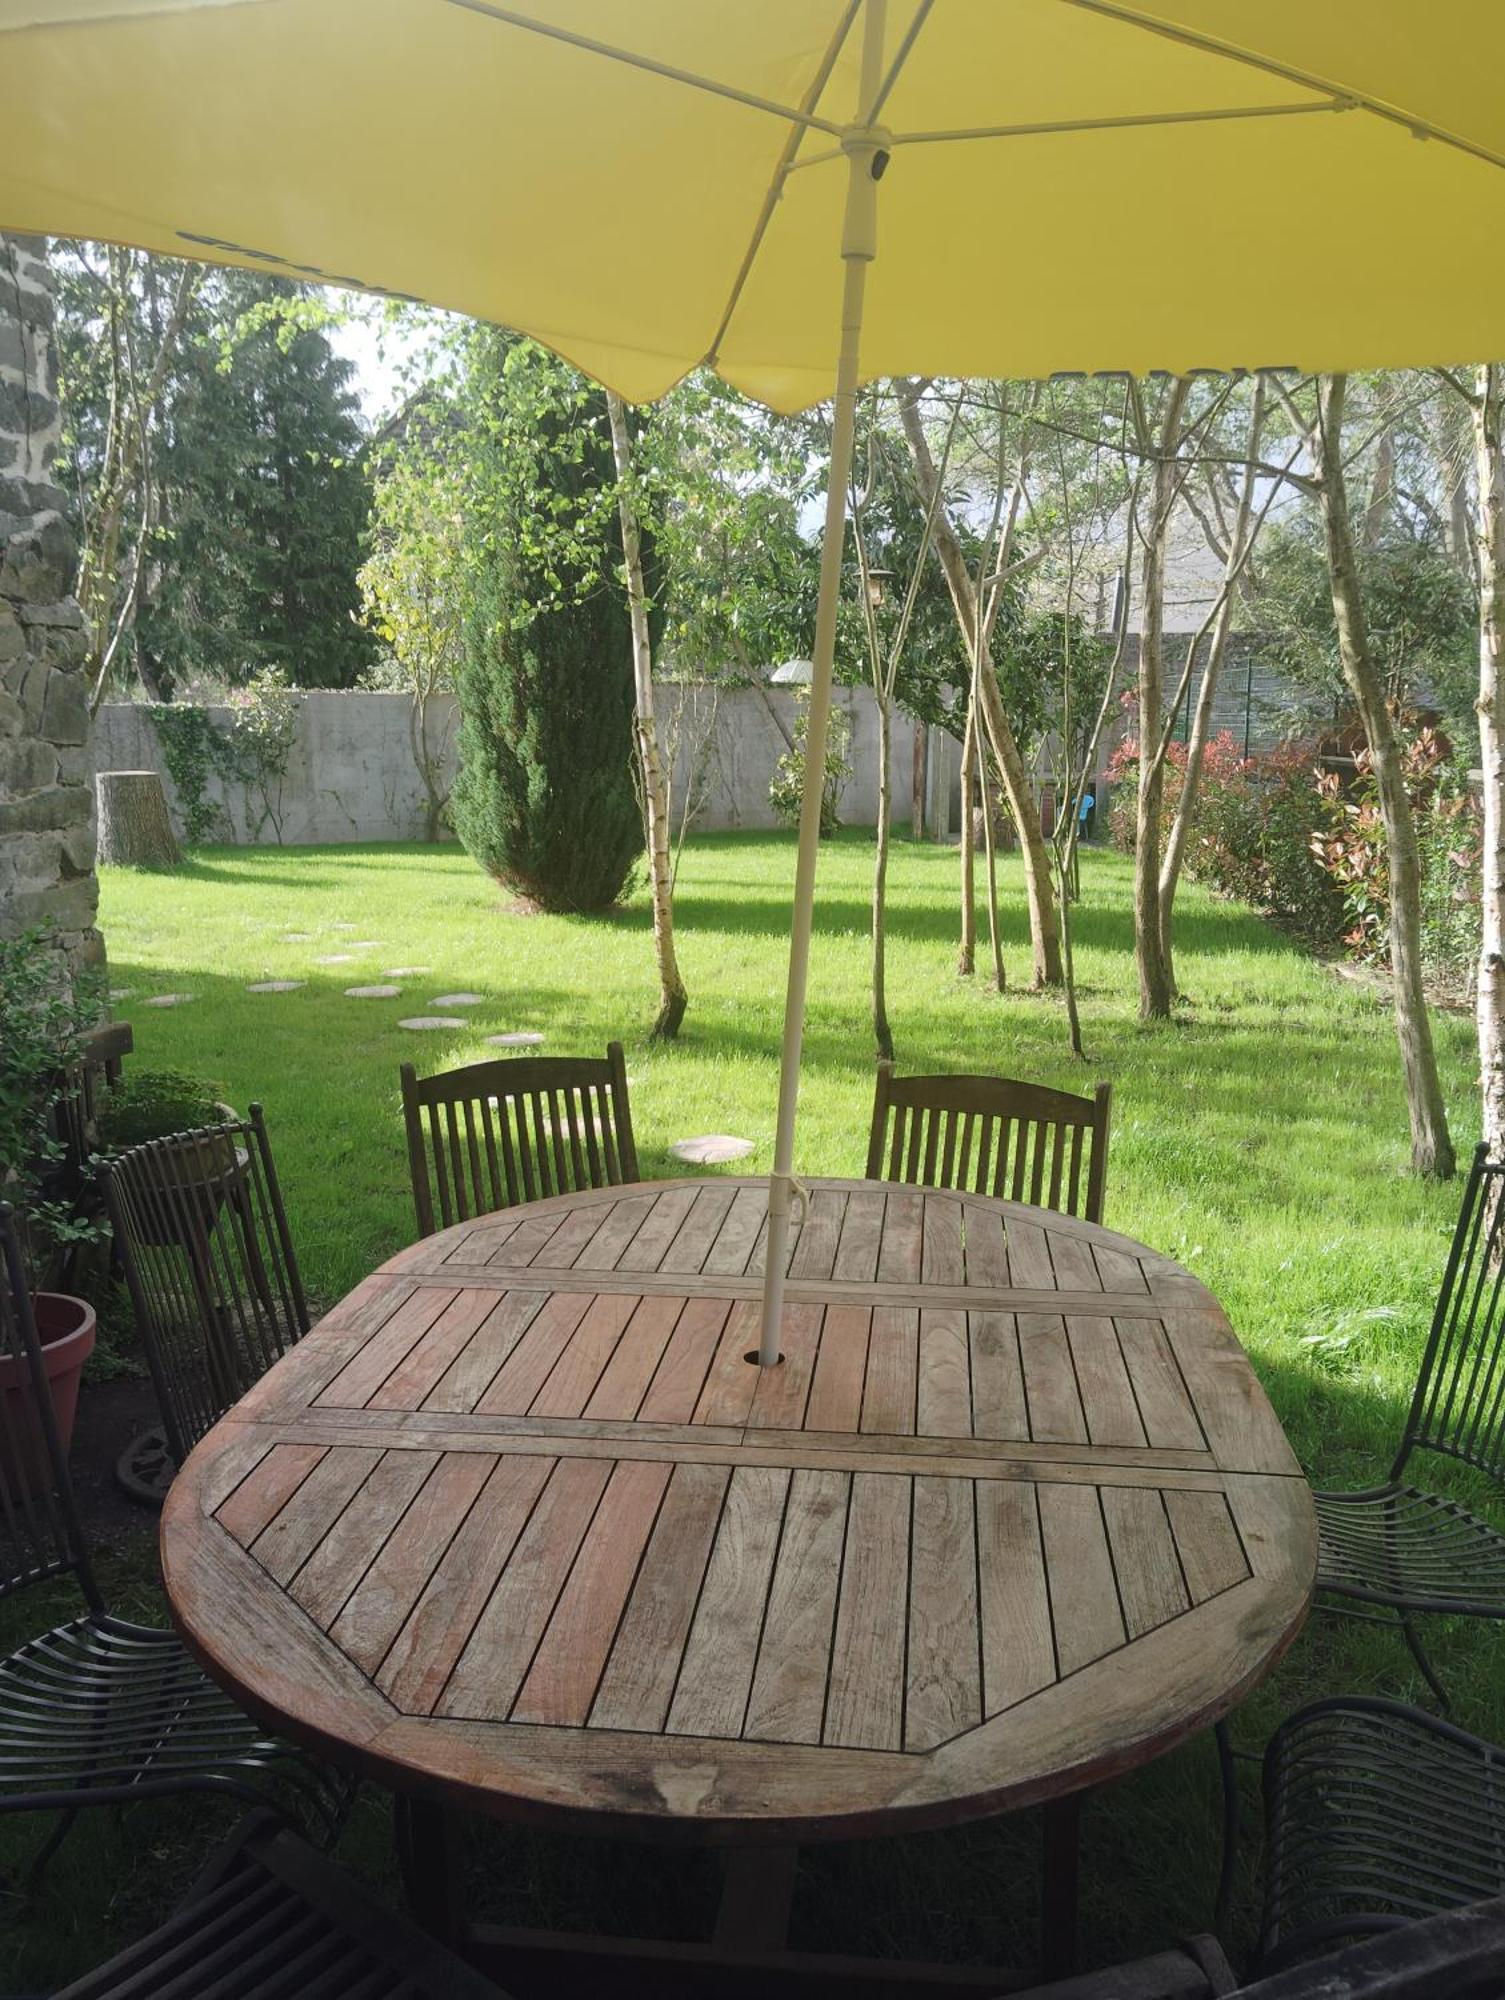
point(1377, 1814)
point(200, 1228)
point(992, 1135)
point(492, 1134)
point(1411, 1550)
point(119, 1711)
point(100, 1710)
point(269, 1919)
point(1400, 1546)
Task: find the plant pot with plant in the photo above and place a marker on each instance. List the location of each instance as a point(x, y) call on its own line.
point(179, 1114)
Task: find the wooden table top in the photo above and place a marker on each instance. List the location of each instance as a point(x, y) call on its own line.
point(518, 1524)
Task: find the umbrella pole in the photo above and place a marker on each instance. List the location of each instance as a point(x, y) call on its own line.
point(866, 159)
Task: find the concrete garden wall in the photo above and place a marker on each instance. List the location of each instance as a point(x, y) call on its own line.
point(351, 775)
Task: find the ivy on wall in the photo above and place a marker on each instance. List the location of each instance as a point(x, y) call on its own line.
point(251, 751)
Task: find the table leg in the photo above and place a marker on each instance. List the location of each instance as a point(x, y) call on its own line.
point(1061, 1829)
point(429, 1857)
point(757, 1890)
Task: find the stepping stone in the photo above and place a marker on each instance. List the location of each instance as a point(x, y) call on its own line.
point(169, 999)
point(121, 992)
point(525, 1039)
point(336, 958)
point(364, 944)
point(344, 927)
point(297, 937)
point(406, 971)
point(713, 1150)
point(418, 1022)
point(459, 999)
point(372, 992)
point(275, 986)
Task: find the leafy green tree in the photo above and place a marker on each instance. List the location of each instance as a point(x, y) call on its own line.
point(215, 456)
point(545, 799)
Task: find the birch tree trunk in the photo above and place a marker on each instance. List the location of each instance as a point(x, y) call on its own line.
point(882, 1033)
point(1431, 1145)
point(1489, 452)
point(1156, 991)
point(966, 956)
point(672, 996)
point(1044, 935)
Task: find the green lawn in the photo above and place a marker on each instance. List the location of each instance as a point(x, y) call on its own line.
point(1261, 1139)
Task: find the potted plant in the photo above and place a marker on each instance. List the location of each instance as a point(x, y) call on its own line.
point(46, 1016)
point(165, 1105)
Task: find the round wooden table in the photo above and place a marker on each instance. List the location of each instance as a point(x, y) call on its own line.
point(519, 1526)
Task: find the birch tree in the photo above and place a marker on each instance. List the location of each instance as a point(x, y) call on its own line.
point(973, 617)
point(673, 998)
point(1431, 1144)
point(1485, 397)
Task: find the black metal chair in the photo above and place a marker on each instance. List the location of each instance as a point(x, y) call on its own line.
point(1459, 1955)
point(992, 1135)
point(269, 1919)
point(101, 1711)
point(1377, 1814)
point(1397, 1545)
point(496, 1133)
point(202, 1233)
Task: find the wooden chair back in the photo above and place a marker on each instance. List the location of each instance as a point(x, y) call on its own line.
point(991, 1135)
point(1459, 1404)
point(40, 1535)
point(493, 1134)
point(213, 1276)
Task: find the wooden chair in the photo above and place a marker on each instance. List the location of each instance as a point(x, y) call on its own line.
point(1457, 1955)
point(101, 1711)
point(497, 1133)
point(1400, 1548)
point(200, 1227)
point(270, 1919)
point(990, 1135)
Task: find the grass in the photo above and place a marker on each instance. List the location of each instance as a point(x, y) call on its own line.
point(1260, 1138)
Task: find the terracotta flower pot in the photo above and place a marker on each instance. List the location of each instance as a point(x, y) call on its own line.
point(66, 1329)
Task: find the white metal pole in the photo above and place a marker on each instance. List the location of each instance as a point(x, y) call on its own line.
point(866, 157)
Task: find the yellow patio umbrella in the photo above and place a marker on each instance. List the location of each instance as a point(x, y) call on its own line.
point(652, 185)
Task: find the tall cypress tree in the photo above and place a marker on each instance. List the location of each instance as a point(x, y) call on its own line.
point(545, 799)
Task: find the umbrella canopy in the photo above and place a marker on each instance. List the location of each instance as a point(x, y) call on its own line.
point(1065, 185)
point(1172, 184)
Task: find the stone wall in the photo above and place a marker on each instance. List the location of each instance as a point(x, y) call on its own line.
point(46, 776)
point(351, 775)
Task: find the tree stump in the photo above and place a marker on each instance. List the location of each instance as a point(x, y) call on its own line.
point(134, 829)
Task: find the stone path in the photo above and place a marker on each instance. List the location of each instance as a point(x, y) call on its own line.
point(523, 1039)
point(372, 992)
point(275, 986)
point(169, 999)
point(336, 958)
point(419, 1022)
point(406, 971)
point(459, 999)
point(714, 1149)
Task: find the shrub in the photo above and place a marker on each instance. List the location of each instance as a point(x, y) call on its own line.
point(43, 1018)
point(545, 799)
point(786, 788)
point(1350, 847)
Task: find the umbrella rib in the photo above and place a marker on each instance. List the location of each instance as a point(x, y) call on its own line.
point(781, 173)
point(1113, 10)
point(1129, 122)
point(901, 56)
point(800, 118)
